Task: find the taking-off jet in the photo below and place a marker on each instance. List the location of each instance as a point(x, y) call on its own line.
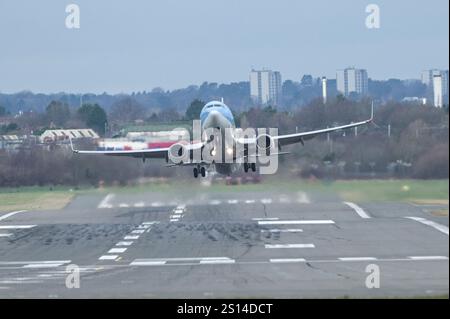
point(221, 145)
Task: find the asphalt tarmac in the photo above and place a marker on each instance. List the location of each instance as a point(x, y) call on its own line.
point(224, 245)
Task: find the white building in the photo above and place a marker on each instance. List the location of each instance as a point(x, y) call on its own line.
point(352, 80)
point(439, 95)
point(265, 87)
point(324, 90)
point(437, 91)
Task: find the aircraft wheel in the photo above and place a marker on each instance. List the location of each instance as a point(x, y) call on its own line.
point(254, 167)
point(195, 172)
point(246, 167)
point(203, 171)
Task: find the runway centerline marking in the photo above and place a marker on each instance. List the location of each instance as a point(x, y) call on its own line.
point(281, 246)
point(279, 230)
point(287, 260)
point(358, 210)
point(428, 257)
point(3, 217)
point(5, 235)
point(357, 258)
point(295, 222)
point(105, 203)
point(17, 226)
point(439, 227)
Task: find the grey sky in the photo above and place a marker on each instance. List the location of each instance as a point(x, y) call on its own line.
point(125, 46)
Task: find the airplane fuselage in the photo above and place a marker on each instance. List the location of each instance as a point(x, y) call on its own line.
point(216, 115)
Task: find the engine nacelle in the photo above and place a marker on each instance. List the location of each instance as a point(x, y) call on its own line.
point(264, 142)
point(178, 153)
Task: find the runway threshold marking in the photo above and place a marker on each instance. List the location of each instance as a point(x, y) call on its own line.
point(439, 227)
point(357, 209)
point(3, 217)
point(128, 240)
point(295, 222)
point(105, 203)
point(177, 213)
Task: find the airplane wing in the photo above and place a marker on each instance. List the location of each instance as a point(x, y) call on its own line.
point(143, 153)
point(302, 136)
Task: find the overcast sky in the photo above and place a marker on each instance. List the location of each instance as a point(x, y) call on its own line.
point(125, 46)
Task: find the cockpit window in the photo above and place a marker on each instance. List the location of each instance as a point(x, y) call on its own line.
point(213, 105)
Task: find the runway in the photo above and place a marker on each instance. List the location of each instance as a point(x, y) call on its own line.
point(224, 245)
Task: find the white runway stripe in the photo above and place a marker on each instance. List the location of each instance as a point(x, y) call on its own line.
point(149, 223)
point(265, 218)
point(295, 222)
point(5, 235)
point(105, 203)
point(156, 204)
point(139, 204)
point(35, 262)
point(278, 230)
point(147, 263)
point(124, 243)
point(303, 198)
point(357, 209)
point(217, 261)
point(428, 257)
point(357, 258)
point(116, 250)
point(439, 227)
point(232, 201)
point(123, 205)
point(3, 217)
point(108, 257)
point(17, 226)
point(215, 202)
point(42, 265)
point(266, 201)
point(131, 237)
point(250, 201)
point(287, 260)
point(138, 231)
point(289, 246)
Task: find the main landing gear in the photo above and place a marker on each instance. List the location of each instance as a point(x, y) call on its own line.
point(199, 170)
point(247, 166)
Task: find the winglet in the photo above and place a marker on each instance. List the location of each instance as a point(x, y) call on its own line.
point(71, 146)
point(371, 113)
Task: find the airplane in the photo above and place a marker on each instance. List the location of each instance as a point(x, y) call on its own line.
point(217, 115)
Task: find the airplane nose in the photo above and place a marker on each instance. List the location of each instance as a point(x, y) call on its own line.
point(213, 119)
